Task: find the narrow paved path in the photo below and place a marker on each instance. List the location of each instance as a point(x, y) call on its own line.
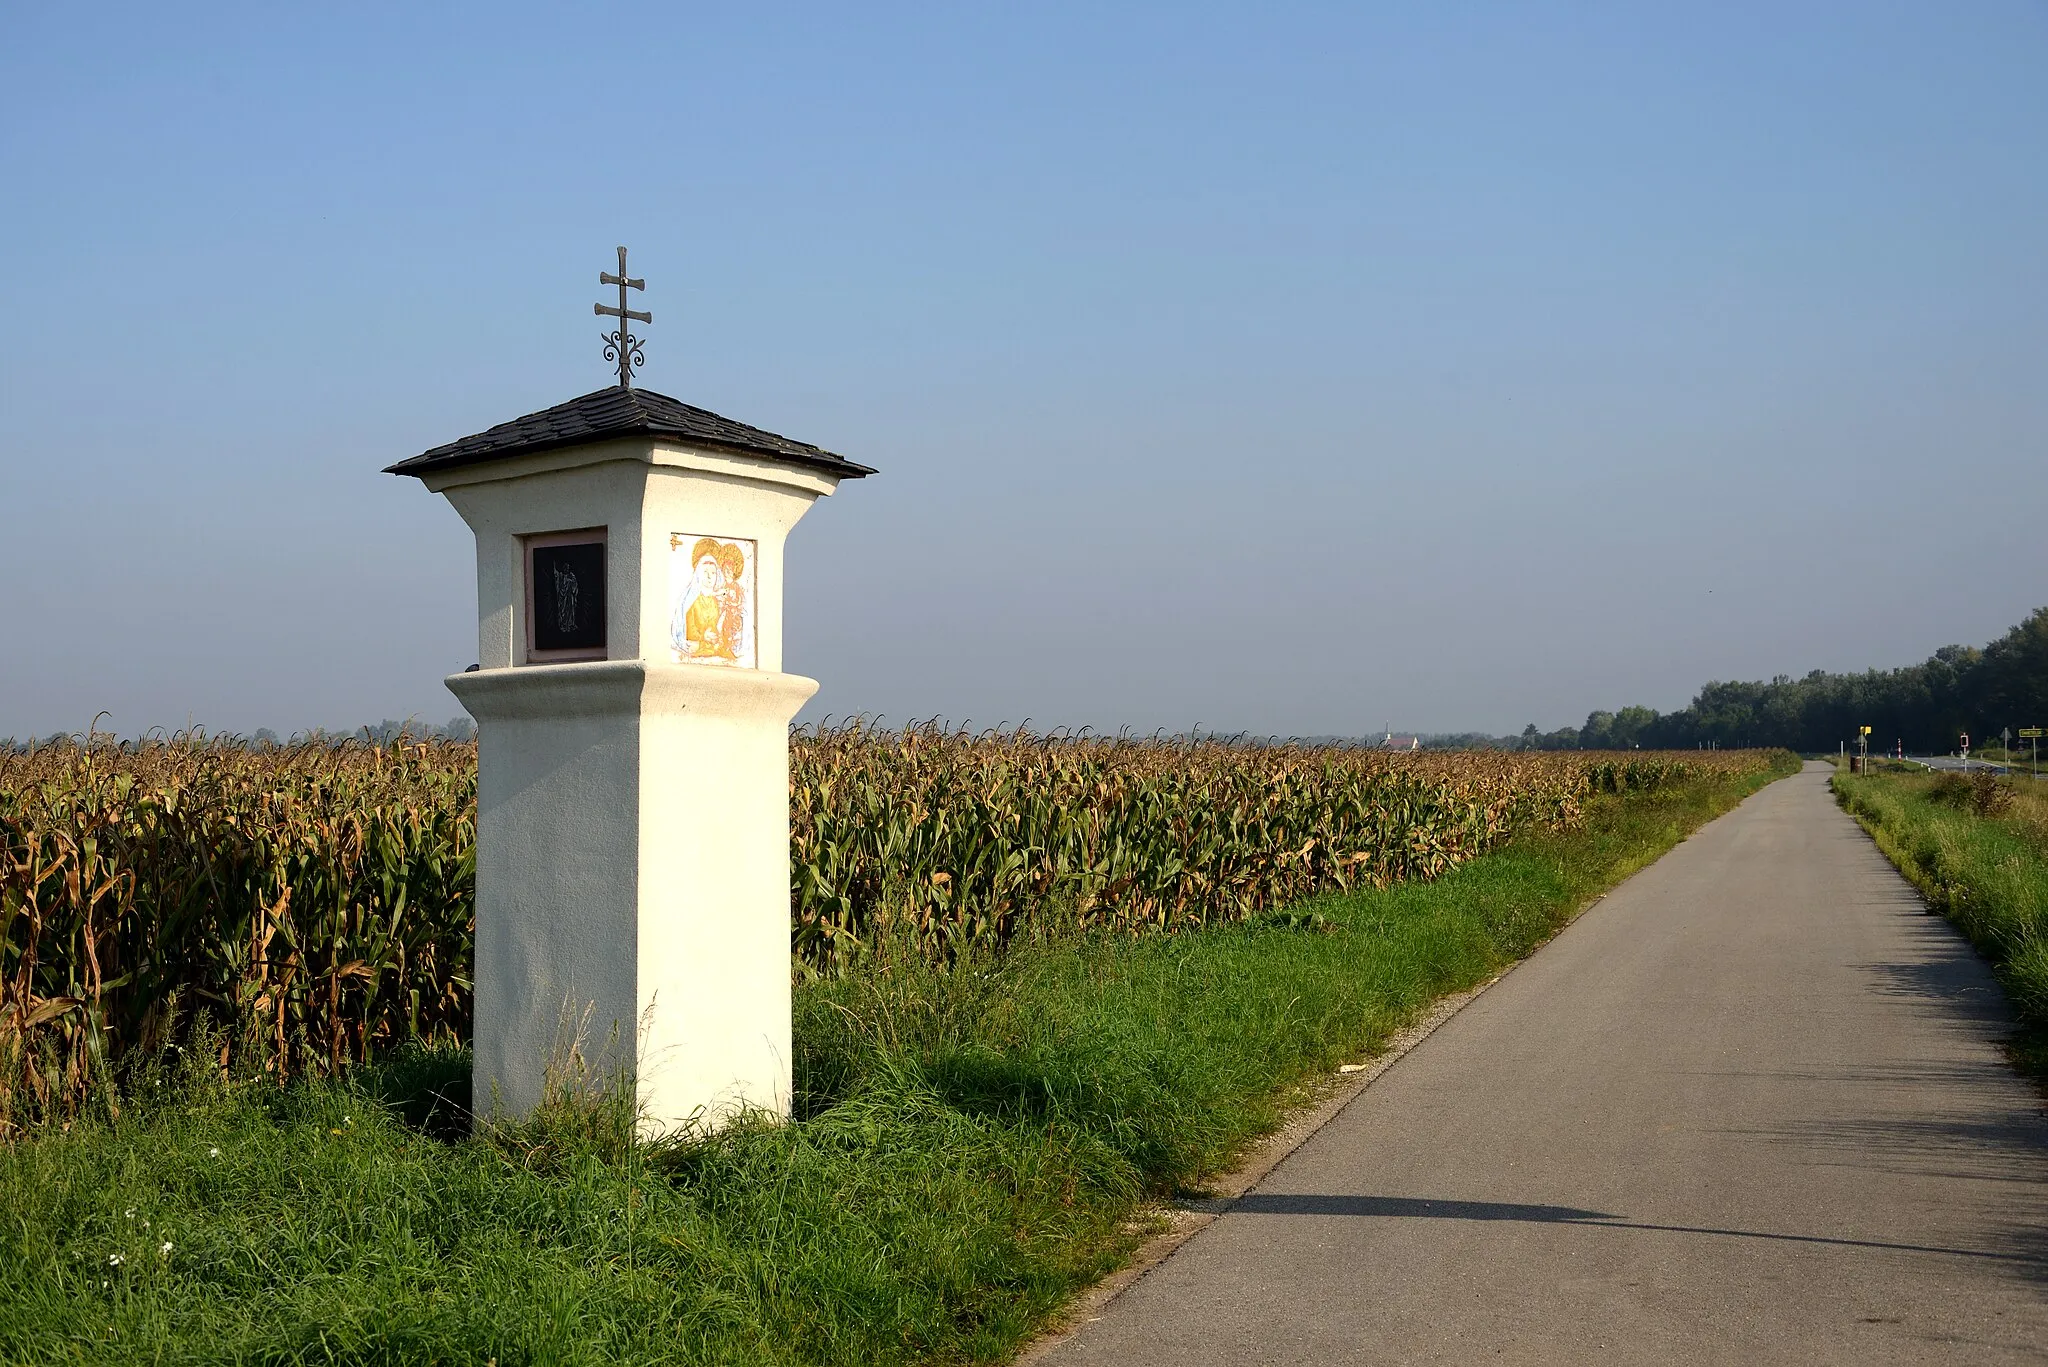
point(1750, 1108)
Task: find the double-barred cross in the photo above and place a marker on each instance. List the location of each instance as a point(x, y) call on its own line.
point(622, 346)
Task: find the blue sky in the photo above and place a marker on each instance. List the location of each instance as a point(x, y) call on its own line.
point(1285, 368)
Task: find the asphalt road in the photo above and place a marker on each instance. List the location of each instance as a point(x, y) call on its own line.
point(1954, 762)
point(1749, 1109)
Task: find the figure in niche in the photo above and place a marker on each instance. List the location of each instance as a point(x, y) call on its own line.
point(710, 621)
point(565, 600)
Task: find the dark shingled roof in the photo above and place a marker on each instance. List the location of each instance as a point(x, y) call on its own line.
point(617, 412)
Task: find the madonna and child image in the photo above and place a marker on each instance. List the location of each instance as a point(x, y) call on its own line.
point(711, 600)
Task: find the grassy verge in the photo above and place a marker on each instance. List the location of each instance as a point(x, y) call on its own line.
point(1977, 849)
point(972, 1147)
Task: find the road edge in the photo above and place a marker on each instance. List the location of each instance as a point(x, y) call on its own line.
point(1187, 1218)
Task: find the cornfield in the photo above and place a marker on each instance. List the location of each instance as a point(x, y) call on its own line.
point(315, 903)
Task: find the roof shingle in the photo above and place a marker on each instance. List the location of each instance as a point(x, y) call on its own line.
point(617, 412)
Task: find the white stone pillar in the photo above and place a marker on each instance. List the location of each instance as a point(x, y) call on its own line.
point(633, 762)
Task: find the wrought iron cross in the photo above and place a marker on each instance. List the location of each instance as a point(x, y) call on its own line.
point(622, 346)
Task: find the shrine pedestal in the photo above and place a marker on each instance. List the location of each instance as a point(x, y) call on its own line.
point(633, 884)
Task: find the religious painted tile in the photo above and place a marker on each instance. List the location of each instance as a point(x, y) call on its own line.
point(712, 601)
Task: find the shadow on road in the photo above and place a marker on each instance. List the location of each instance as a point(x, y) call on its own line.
point(1980, 1148)
point(1278, 1203)
point(1943, 970)
point(2034, 1260)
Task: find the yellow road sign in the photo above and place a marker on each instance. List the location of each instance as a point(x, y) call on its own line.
point(2030, 733)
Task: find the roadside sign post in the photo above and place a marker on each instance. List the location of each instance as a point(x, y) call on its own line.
point(1966, 752)
point(2033, 733)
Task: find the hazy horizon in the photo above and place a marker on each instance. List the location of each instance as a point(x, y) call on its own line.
point(1284, 370)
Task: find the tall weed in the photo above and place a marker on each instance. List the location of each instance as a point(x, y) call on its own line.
point(1957, 840)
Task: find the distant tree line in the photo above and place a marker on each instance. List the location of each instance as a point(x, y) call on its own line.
point(1926, 706)
point(382, 733)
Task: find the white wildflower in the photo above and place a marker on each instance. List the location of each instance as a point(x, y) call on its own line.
point(213, 1153)
point(115, 1260)
point(166, 1249)
point(130, 1212)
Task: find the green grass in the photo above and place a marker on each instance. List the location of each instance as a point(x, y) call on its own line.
point(971, 1148)
point(1987, 872)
